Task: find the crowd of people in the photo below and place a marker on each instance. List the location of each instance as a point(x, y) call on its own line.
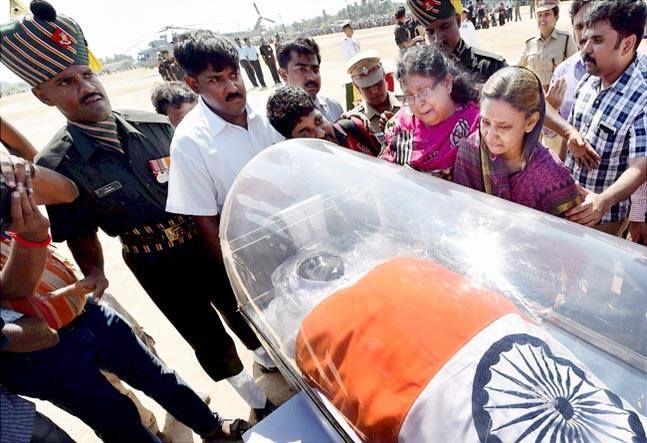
point(464, 116)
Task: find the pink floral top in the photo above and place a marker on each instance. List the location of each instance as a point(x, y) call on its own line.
point(428, 148)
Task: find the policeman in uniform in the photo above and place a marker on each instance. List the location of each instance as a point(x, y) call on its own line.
point(442, 19)
point(120, 163)
point(545, 51)
point(268, 56)
point(378, 103)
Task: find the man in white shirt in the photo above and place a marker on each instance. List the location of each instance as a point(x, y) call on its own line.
point(468, 31)
point(349, 46)
point(209, 148)
point(244, 62)
point(299, 62)
point(252, 56)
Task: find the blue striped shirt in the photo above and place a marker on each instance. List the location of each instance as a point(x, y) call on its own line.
point(16, 418)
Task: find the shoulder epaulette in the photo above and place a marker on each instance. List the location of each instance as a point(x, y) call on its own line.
point(142, 116)
point(51, 155)
point(483, 53)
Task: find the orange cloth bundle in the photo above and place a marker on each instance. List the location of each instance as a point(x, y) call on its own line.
point(373, 347)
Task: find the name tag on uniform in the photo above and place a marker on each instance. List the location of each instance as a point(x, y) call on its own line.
point(160, 168)
point(610, 130)
point(108, 189)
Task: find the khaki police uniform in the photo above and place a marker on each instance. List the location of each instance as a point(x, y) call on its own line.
point(373, 115)
point(542, 56)
point(365, 69)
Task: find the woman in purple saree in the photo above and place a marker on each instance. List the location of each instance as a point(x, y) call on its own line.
point(505, 158)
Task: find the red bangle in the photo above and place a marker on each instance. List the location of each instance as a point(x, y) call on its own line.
point(30, 244)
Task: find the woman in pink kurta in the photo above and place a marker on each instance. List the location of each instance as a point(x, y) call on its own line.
point(440, 111)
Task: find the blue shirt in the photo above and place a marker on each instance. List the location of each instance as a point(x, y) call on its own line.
point(614, 122)
point(572, 69)
point(16, 414)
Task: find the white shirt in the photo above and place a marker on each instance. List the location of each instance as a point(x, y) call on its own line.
point(250, 53)
point(468, 33)
point(329, 107)
point(242, 54)
point(349, 47)
point(207, 153)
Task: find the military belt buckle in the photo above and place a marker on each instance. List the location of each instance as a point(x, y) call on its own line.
point(174, 233)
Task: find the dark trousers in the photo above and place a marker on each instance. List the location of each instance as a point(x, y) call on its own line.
point(46, 431)
point(259, 72)
point(186, 284)
point(271, 64)
point(250, 71)
point(69, 376)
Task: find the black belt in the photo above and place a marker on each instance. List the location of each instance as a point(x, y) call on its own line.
point(159, 236)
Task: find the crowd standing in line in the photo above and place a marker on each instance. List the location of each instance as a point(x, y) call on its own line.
point(465, 116)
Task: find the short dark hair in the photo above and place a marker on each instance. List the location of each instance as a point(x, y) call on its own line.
point(198, 50)
point(576, 6)
point(429, 61)
point(626, 17)
point(347, 25)
point(173, 94)
point(400, 12)
point(301, 45)
point(286, 106)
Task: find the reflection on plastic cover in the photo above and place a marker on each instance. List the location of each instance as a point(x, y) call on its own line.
point(422, 309)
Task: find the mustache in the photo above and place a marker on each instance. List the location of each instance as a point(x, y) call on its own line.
point(88, 96)
point(233, 96)
point(588, 58)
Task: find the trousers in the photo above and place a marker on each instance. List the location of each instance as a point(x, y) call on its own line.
point(259, 71)
point(271, 64)
point(186, 284)
point(250, 71)
point(69, 375)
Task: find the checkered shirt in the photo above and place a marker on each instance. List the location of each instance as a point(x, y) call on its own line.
point(614, 122)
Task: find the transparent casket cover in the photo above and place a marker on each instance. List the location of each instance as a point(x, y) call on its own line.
point(418, 308)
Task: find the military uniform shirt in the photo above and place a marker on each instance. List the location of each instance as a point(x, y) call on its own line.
point(477, 61)
point(118, 191)
point(542, 56)
point(267, 52)
point(404, 32)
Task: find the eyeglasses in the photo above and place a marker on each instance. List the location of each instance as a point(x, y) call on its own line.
point(423, 94)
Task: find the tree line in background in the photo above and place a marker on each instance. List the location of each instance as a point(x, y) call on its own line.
point(363, 13)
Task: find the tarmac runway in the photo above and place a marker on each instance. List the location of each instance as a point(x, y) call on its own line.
point(131, 90)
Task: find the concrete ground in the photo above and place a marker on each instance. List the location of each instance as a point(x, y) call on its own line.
point(132, 90)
